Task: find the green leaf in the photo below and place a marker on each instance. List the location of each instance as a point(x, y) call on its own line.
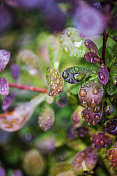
point(72, 43)
point(54, 51)
point(111, 88)
point(76, 74)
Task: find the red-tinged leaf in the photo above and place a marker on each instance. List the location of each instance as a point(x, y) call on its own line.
point(7, 101)
point(103, 75)
point(85, 160)
point(15, 71)
point(15, 119)
point(91, 57)
point(112, 157)
point(91, 46)
point(4, 86)
point(110, 127)
point(4, 59)
point(92, 115)
point(101, 140)
point(90, 93)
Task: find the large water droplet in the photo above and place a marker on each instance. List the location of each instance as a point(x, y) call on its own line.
point(83, 93)
point(79, 77)
point(101, 76)
point(95, 91)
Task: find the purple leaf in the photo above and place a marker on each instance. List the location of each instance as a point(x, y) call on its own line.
point(103, 75)
point(2, 172)
point(4, 59)
point(101, 140)
point(12, 3)
point(91, 46)
point(85, 160)
point(110, 127)
point(92, 115)
point(91, 57)
point(7, 101)
point(89, 20)
point(15, 71)
point(90, 93)
point(17, 173)
point(4, 86)
point(5, 17)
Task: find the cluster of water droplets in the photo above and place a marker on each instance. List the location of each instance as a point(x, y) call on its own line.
point(90, 95)
point(55, 81)
point(75, 74)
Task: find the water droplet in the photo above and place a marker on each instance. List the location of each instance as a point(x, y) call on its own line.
point(79, 77)
point(93, 103)
point(3, 89)
point(102, 142)
point(84, 103)
point(86, 43)
point(71, 81)
point(61, 40)
point(95, 91)
point(66, 49)
point(72, 70)
point(87, 116)
point(101, 76)
point(76, 68)
point(83, 93)
point(68, 33)
point(5, 52)
point(96, 59)
point(97, 117)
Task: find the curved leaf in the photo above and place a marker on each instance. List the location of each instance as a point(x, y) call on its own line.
point(75, 74)
point(103, 75)
point(72, 42)
point(55, 80)
point(4, 59)
point(4, 86)
point(91, 57)
point(91, 46)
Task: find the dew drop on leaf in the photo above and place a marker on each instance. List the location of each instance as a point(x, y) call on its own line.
point(91, 46)
point(75, 74)
point(91, 57)
point(103, 75)
point(111, 156)
point(4, 86)
point(55, 81)
point(110, 127)
point(92, 115)
point(85, 160)
point(46, 119)
point(90, 94)
point(15, 71)
point(15, 119)
point(101, 140)
point(4, 59)
point(72, 43)
point(7, 101)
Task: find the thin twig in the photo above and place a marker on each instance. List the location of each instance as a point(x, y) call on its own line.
point(104, 46)
point(30, 88)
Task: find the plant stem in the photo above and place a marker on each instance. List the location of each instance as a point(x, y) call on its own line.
point(104, 46)
point(30, 88)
